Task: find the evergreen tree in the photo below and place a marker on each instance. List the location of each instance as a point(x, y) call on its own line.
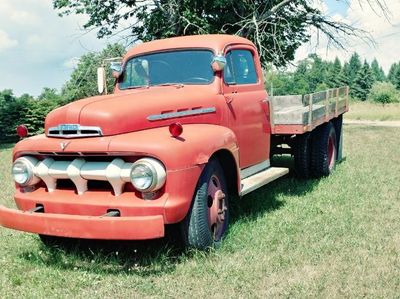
point(396, 78)
point(301, 83)
point(377, 71)
point(317, 73)
point(354, 67)
point(333, 74)
point(392, 71)
point(344, 76)
point(362, 83)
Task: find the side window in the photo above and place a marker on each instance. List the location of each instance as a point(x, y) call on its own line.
point(240, 68)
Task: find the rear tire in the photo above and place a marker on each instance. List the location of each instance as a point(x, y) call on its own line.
point(302, 155)
point(207, 221)
point(323, 150)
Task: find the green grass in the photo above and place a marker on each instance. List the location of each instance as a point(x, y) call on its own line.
point(373, 111)
point(334, 237)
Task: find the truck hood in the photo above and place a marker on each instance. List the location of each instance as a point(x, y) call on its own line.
point(139, 109)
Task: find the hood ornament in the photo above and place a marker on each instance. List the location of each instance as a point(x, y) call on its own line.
point(63, 145)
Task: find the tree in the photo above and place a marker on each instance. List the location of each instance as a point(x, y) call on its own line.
point(362, 83)
point(50, 94)
point(6, 96)
point(343, 79)
point(377, 71)
point(392, 72)
point(333, 74)
point(317, 73)
point(277, 27)
point(396, 77)
point(83, 81)
point(354, 67)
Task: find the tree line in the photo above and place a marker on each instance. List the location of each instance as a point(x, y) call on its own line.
point(311, 74)
point(31, 111)
point(366, 80)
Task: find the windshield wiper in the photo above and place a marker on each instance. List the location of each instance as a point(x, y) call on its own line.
point(179, 85)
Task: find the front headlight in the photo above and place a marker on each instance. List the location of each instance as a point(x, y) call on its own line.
point(148, 175)
point(22, 171)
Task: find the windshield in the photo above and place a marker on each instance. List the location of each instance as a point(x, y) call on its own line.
point(177, 67)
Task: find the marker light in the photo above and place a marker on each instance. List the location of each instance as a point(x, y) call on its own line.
point(22, 131)
point(175, 129)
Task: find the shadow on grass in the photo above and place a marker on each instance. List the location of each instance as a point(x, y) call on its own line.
point(161, 256)
point(144, 258)
point(267, 198)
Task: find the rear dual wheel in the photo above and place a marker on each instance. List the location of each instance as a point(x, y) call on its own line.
point(324, 151)
point(315, 153)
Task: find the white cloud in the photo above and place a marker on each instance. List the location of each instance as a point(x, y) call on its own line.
point(22, 17)
point(71, 63)
point(34, 39)
point(385, 32)
point(42, 45)
point(6, 42)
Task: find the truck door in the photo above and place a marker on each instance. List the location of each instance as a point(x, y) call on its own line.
point(248, 108)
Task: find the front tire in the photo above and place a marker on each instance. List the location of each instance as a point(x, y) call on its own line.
point(207, 220)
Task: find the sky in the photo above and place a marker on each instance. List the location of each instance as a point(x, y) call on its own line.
point(39, 49)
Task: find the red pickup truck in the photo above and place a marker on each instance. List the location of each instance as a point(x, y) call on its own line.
point(189, 128)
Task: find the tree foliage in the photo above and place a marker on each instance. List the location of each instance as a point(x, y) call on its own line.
point(362, 83)
point(277, 27)
point(24, 110)
point(83, 80)
point(384, 93)
point(314, 74)
point(377, 71)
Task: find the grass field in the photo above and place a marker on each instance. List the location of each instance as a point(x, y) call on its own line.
point(372, 111)
point(334, 237)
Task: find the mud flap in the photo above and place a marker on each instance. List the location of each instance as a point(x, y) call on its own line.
point(339, 157)
point(338, 124)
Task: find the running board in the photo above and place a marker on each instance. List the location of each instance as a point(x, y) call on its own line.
point(262, 178)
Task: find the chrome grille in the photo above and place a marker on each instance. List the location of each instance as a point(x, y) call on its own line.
point(74, 131)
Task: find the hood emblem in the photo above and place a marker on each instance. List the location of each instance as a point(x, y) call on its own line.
point(63, 145)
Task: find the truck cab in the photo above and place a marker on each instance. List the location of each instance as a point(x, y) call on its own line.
point(189, 128)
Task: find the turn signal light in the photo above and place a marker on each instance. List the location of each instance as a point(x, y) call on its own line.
point(22, 131)
point(175, 129)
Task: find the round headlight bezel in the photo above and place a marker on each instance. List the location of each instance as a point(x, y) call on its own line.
point(157, 170)
point(29, 163)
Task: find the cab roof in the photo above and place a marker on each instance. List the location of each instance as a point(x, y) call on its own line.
point(216, 42)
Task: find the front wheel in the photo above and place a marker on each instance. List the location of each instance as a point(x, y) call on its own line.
point(207, 220)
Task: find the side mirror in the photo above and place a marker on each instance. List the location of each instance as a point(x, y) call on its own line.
point(218, 63)
point(116, 68)
point(101, 79)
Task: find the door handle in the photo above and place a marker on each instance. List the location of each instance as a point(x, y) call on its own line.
point(228, 100)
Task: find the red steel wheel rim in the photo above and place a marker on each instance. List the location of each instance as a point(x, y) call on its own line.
point(216, 207)
point(331, 152)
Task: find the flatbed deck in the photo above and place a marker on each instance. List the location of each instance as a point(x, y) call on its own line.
point(297, 114)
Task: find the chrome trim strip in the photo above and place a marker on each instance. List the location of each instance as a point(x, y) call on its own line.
point(74, 127)
point(249, 171)
point(181, 113)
